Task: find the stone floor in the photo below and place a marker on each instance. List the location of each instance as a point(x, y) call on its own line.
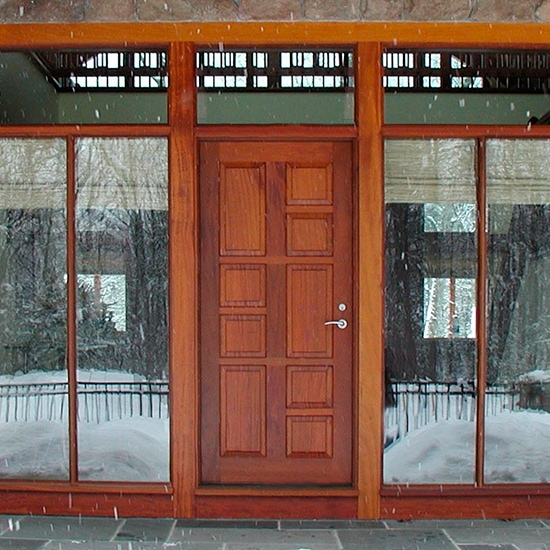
point(84, 533)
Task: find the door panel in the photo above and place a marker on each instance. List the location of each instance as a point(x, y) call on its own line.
point(276, 261)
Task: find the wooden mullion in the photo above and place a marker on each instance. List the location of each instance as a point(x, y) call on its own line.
point(482, 230)
point(71, 310)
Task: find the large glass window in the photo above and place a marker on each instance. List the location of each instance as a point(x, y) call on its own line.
point(432, 259)
point(121, 313)
point(122, 305)
point(517, 433)
point(430, 351)
point(33, 368)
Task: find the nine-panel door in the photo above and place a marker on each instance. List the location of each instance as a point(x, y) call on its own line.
point(276, 313)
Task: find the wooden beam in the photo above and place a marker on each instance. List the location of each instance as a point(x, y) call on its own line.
point(183, 280)
point(370, 277)
point(398, 33)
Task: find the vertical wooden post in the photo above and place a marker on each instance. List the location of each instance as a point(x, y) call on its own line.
point(71, 310)
point(183, 279)
point(369, 109)
point(482, 236)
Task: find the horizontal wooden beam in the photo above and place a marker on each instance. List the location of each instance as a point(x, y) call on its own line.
point(266, 33)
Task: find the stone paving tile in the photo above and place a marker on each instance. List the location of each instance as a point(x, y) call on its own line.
point(524, 538)
point(464, 523)
point(228, 523)
point(394, 539)
point(278, 546)
point(246, 537)
point(331, 524)
point(145, 529)
point(19, 544)
point(65, 528)
point(10, 523)
point(95, 545)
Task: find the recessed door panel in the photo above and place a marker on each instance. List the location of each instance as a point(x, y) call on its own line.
point(276, 360)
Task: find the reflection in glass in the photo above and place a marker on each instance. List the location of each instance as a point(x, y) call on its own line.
point(83, 87)
point(33, 374)
point(430, 347)
point(122, 301)
point(517, 443)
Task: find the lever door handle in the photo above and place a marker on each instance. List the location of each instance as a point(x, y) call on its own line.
point(340, 323)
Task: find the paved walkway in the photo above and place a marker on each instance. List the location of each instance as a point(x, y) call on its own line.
point(58, 533)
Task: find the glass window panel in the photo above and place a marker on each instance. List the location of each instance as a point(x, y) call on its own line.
point(297, 87)
point(122, 334)
point(465, 87)
point(33, 374)
point(430, 347)
point(449, 307)
point(45, 88)
point(518, 312)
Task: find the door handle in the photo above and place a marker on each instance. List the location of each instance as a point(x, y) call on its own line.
point(340, 323)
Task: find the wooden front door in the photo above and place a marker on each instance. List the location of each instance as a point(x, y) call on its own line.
point(276, 266)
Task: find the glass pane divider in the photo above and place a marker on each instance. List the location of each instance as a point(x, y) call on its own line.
point(481, 320)
point(71, 309)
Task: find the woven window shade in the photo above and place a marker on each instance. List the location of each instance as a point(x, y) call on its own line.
point(32, 173)
point(430, 171)
point(518, 171)
point(122, 173)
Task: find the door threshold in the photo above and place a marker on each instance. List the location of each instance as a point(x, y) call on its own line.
point(275, 490)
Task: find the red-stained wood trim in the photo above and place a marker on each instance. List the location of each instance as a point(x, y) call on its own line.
point(397, 33)
point(71, 310)
point(477, 504)
point(275, 132)
point(464, 131)
point(481, 320)
point(271, 490)
point(370, 276)
point(84, 131)
point(184, 379)
point(100, 487)
point(493, 489)
point(276, 506)
point(93, 503)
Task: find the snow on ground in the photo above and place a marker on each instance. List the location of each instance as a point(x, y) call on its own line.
point(517, 451)
point(133, 448)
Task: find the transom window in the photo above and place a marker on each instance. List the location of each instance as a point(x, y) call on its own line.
point(275, 70)
point(80, 71)
point(458, 71)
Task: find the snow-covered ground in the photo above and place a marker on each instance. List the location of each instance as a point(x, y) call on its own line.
point(517, 450)
point(124, 448)
point(136, 448)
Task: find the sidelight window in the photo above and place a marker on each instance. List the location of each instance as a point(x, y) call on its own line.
point(107, 275)
point(437, 381)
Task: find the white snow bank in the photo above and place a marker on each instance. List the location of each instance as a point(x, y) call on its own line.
point(535, 376)
point(132, 449)
point(517, 451)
